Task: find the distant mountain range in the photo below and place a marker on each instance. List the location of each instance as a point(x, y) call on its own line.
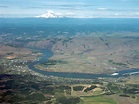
point(51, 14)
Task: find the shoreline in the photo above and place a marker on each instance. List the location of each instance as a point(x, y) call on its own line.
point(47, 54)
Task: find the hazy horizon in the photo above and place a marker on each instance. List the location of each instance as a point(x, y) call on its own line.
point(76, 9)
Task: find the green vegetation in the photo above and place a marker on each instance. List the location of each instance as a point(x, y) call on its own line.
point(25, 88)
point(90, 88)
point(127, 90)
point(78, 88)
point(37, 96)
point(98, 92)
point(53, 62)
point(65, 100)
point(131, 89)
point(113, 88)
point(97, 100)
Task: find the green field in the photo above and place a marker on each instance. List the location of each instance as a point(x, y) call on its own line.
point(97, 100)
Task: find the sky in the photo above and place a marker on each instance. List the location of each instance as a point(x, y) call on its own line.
point(73, 8)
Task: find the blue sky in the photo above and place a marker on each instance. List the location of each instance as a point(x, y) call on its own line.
point(76, 8)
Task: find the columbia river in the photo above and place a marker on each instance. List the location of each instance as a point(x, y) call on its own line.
point(47, 54)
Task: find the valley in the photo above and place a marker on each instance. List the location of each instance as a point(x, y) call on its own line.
point(76, 62)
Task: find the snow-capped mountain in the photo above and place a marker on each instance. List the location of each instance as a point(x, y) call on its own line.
point(50, 14)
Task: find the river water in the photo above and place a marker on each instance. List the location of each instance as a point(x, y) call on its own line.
point(47, 54)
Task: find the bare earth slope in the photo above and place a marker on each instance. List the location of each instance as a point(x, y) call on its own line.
point(91, 54)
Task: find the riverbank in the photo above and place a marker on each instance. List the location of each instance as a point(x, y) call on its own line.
point(90, 54)
point(47, 54)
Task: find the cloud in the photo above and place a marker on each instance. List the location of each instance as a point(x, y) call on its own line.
point(102, 9)
point(4, 6)
point(116, 14)
point(136, 13)
point(35, 7)
point(82, 8)
point(70, 14)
